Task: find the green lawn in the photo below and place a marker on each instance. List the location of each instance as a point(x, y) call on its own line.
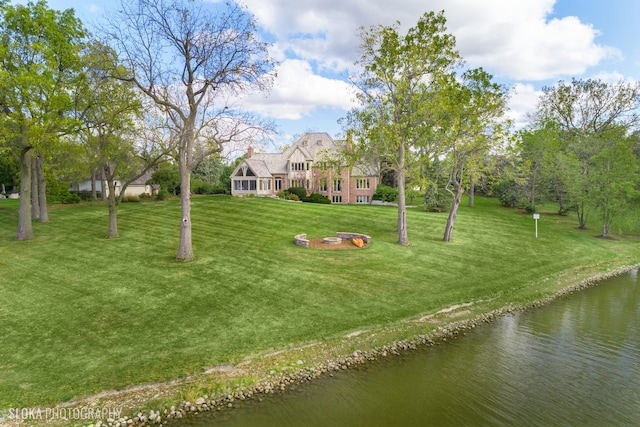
point(80, 313)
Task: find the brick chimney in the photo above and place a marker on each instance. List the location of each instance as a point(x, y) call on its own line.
point(249, 152)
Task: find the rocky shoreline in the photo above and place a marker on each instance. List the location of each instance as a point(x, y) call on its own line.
point(280, 381)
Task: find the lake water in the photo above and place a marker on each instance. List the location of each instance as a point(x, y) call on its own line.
point(575, 362)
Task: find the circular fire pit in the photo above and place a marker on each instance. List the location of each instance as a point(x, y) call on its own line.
point(342, 240)
point(332, 240)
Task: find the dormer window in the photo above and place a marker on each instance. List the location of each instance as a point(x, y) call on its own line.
point(305, 143)
point(319, 142)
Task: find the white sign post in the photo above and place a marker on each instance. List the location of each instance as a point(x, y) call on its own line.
point(536, 217)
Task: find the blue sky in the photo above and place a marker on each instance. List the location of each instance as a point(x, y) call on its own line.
point(525, 44)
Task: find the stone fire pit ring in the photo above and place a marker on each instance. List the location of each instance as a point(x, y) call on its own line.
point(331, 242)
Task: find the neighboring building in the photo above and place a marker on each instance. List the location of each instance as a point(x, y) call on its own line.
point(312, 162)
point(136, 188)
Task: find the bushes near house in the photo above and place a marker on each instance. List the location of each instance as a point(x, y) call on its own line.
point(298, 191)
point(300, 194)
point(317, 198)
point(385, 193)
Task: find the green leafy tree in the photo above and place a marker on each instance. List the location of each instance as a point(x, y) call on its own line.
point(189, 58)
point(471, 122)
point(168, 178)
point(396, 87)
point(613, 179)
point(112, 111)
point(585, 111)
point(40, 61)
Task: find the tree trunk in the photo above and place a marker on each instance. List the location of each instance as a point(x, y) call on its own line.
point(94, 191)
point(185, 249)
point(402, 204)
point(448, 231)
point(113, 214)
point(113, 201)
point(582, 216)
point(35, 203)
point(25, 226)
point(472, 190)
point(605, 230)
point(42, 190)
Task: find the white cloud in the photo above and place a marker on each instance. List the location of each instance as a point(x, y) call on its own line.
point(513, 39)
point(523, 103)
point(298, 91)
point(517, 41)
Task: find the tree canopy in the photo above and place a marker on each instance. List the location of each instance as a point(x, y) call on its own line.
point(397, 87)
point(40, 56)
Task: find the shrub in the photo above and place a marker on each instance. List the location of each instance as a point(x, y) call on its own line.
point(131, 199)
point(298, 191)
point(162, 194)
point(436, 199)
point(201, 187)
point(144, 196)
point(385, 193)
point(71, 198)
point(509, 192)
point(317, 198)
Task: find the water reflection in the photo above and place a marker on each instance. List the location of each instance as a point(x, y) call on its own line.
point(574, 362)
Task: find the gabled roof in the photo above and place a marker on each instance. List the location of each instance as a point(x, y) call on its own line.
point(314, 146)
point(274, 162)
point(258, 167)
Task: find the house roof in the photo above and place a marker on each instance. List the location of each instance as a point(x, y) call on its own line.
point(258, 167)
point(314, 146)
point(274, 162)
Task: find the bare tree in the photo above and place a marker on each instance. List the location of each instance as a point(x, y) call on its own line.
point(191, 58)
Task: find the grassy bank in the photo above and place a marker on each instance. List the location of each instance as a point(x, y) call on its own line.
point(80, 314)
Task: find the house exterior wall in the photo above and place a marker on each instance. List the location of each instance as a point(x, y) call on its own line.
point(304, 168)
point(299, 171)
point(131, 190)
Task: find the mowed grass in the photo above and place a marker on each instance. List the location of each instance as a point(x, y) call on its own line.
point(80, 313)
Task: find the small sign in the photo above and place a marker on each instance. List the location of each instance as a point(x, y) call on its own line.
point(536, 216)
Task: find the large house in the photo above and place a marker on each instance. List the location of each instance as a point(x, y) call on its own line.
point(312, 162)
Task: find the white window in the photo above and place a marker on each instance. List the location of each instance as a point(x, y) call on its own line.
point(324, 186)
point(244, 185)
point(278, 184)
point(362, 199)
point(362, 183)
point(336, 199)
point(337, 185)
